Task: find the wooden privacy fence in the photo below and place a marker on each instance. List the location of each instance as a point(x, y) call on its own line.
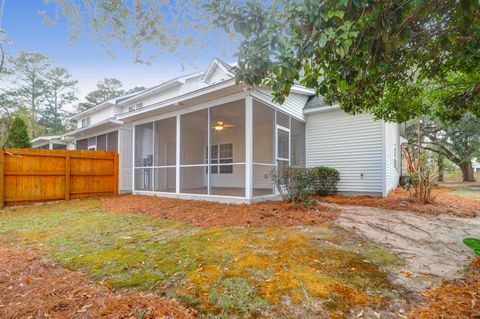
point(33, 175)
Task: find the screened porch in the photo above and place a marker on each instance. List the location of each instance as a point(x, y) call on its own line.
point(227, 150)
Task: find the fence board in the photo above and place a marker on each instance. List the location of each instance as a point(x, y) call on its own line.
point(31, 175)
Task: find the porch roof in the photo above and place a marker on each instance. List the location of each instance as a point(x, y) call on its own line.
point(102, 125)
point(192, 98)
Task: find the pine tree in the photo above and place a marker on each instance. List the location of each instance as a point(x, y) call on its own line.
point(18, 134)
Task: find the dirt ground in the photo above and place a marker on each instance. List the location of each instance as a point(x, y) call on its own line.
point(445, 202)
point(431, 246)
point(31, 287)
point(453, 299)
point(309, 271)
point(210, 214)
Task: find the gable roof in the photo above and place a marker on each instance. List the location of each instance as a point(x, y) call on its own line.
point(226, 68)
point(315, 102)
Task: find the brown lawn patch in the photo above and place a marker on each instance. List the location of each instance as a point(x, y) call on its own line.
point(31, 287)
point(453, 299)
point(444, 203)
point(211, 214)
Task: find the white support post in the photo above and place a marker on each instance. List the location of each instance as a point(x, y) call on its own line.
point(133, 159)
point(249, 147)
point(209, 141)
point(177, 157)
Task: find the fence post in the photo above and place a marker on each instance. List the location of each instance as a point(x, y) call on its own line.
point(67, 177)
point(2, 180)
point(115, 174)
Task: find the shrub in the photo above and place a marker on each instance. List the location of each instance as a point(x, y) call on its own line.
point(18, 134)
point(324, 180)
point(298, 184)
point(423, 176)
point(293, 183)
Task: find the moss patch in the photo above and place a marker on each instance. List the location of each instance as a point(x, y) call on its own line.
point(221, 272)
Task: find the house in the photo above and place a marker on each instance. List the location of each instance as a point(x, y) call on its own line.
point(476, 165)
point(52, 142)
point(201, 136)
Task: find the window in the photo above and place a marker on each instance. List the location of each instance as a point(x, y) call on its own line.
point(135, 107)
point(85, 122)
point(221, 154)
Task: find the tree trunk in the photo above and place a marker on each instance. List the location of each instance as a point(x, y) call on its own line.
point(468, 172)
point(441, 167)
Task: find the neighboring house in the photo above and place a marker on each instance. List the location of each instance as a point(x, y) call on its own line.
point(202, 136)
point(476, 165)
point(52, 142)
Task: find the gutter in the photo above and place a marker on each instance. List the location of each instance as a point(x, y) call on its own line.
point(80, 130)
point(321, 109)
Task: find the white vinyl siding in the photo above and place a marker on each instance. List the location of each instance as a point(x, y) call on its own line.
point(392, 155)
point(352, 145)
point(293, 105)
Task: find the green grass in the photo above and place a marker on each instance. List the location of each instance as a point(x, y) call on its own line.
point(221, 272)
point(466, 190)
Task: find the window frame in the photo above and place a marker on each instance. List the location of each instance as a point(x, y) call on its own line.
point(219, 164)
point(86, 122)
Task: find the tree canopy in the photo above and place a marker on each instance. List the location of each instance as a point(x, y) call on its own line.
point(38, 91)
point(367, 56)
point(107, 89)
point(390, 58)
point(459, 142)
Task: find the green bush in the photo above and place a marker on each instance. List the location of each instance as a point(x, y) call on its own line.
point(324, 180)
point(299, 184)
point(293, 183)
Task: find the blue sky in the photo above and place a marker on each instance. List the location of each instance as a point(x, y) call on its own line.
point(86, 61)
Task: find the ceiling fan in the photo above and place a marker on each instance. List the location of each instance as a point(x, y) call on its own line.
point(220, 126)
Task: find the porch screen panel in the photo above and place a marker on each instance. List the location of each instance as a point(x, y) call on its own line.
point(144, 157)
point(263, 149)
point(283, 119)
point(165, 134)
point(194, 129)
point(112, 141)
point(102, 142)
point(227, 145)
point(82, 144)
point(59, 146)
point(297, 136)
point(143, 179)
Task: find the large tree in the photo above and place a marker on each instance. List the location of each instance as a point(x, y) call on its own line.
point(459, 142)
point(374, 56)
point(60, 91)
point(27, 71)
point(106, 89)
